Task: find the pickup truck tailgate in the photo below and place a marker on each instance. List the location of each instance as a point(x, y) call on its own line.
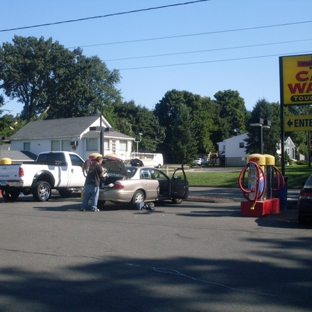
point(9, 173)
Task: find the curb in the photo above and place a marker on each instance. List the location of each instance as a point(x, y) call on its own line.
point(209, 199)
point(291, 202)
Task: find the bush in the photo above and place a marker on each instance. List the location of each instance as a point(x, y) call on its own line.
point(302, 163)
point(288, 160)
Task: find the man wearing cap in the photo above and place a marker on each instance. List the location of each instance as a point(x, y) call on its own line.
point(92, 184)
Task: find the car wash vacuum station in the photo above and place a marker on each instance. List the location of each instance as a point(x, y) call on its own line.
point(260, 181)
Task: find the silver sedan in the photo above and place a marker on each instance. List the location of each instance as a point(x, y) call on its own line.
point(143, 184)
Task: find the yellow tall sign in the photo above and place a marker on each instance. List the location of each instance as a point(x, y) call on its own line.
point(296, 79)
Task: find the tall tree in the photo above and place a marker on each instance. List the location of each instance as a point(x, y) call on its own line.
point(171, 112)
point(132, 120)
point(183, 145)
point(204, 116)
point(271, 137)
point(232, 115)
point(9, 125)
point(148, 124)
point(46, 77)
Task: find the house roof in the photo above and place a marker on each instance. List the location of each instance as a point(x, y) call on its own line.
point(290, 142)
point(115, 134)
point(59, 128)
point(54, 128)
point(16, 156)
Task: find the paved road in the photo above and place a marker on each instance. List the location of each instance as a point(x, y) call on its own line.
point(198, 256)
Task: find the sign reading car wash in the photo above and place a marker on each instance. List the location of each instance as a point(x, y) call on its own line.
point(298, 123)
point(296, 79)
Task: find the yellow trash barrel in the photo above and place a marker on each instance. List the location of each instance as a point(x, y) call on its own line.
point(6, 161)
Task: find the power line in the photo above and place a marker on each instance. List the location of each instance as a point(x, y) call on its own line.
point(196, 34)
point(104, 16)
point(213, 61)
point(208, 50)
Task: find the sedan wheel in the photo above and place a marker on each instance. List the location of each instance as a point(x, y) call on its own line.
point(138, 197)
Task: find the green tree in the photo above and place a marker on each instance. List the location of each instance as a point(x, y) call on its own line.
point(231, 115)
point(204, 118)
point(271, 137)
point(153, 133)
point(48, 78)
point(9, 125)
point(171, 113)
point(131, 119)
point(92, 86)
point(183, 145)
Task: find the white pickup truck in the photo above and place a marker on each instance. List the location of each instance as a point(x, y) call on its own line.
point(51, 170)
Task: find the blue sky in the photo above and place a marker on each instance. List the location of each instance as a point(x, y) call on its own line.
point(202, 48)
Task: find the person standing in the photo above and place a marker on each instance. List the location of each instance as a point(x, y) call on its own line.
point(92, 184)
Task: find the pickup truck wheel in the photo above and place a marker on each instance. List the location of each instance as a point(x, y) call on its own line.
point(42, 191)
point(10, 195)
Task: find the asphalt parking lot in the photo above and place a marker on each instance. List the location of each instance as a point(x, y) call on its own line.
point(198, 256)
point(224, 194)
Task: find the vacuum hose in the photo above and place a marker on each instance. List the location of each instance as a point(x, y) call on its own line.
point(259, 187)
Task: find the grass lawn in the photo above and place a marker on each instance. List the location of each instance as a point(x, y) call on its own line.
point(296, 175)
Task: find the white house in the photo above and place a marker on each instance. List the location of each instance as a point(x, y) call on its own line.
point(233, 150)
point(289, 147)
point(80, 134)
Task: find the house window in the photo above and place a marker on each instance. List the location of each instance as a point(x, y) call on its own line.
point(66, 145)
point(60, 145)
point(92, 144)
point(106, 144)
point(123, 146)
point(241, 145)
point(26, 146)
point(55, 145)
point(288, 151)
point(114, 146)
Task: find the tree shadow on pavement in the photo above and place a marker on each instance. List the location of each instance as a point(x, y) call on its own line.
point(173, 284)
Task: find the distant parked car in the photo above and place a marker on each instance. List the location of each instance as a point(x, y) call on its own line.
point(305, 202)
point(200, 161)
point(136, 162)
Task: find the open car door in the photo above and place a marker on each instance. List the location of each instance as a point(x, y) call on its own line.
point(179, 184)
